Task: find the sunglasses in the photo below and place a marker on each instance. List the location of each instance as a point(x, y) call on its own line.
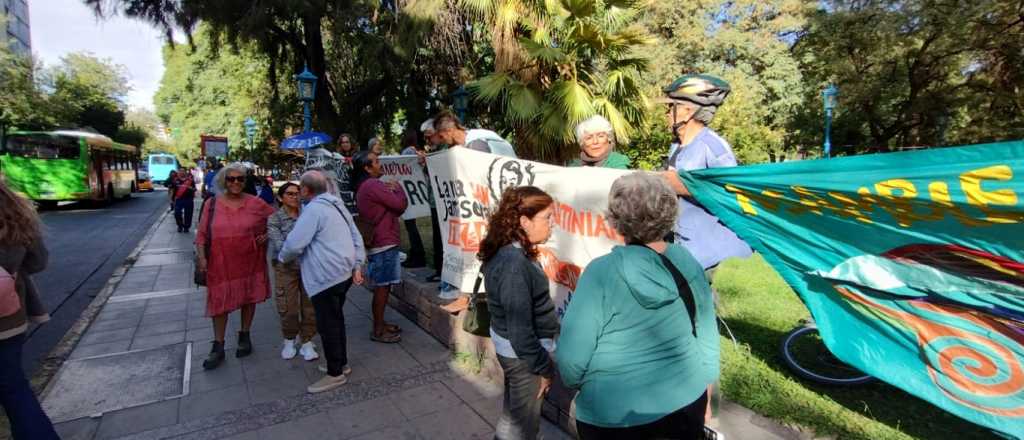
point(235, 179)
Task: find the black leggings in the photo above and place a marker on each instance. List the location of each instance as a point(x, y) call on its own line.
point(687, 423)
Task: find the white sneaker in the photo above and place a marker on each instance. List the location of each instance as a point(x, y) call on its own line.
point(308, 351)
point(327, 383)
point(288, 351)
point(346, 370)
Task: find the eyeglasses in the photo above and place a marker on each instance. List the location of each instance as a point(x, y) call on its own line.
point(602, 136)
point(235, 179)
point(291, 194)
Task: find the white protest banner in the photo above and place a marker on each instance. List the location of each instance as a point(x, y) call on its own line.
point(407, 171)
point(468, 185)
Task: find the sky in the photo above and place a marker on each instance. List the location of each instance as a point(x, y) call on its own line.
point(60, 27)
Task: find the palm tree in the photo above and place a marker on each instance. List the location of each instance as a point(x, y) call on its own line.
point(558, 62)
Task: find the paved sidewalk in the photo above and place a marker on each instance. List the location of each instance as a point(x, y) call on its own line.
point(410, 390)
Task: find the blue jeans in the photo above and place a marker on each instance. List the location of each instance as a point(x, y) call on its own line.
point(27, 419)
point(183, 212)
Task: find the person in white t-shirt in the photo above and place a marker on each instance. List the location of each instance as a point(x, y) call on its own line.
point(451, 131)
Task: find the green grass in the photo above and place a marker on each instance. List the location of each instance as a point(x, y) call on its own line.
point(760, 309)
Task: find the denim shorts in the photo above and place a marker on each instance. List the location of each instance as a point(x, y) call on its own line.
point(384, 269)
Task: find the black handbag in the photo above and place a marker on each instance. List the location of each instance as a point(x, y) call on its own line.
point(478, 319)
point(199, 276)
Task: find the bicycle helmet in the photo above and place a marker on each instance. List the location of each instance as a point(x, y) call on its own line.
point(706, 91)
point(703, 90)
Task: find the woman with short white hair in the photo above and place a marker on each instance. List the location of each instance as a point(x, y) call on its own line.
point(596, 138)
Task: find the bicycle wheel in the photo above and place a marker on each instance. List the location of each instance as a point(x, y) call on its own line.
point(805, 353)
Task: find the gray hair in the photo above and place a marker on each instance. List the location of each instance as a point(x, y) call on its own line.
point(314, 181)
point(373, 141)
point(642, 207)
point(237, 167)
point(702, 113)
point(595, 124)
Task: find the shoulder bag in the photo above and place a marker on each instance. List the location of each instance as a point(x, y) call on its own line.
point(10, 302)
point(199, 276)
point(478, 319)
point(685, 294)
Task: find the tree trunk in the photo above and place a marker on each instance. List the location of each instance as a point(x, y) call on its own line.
point(325, 117)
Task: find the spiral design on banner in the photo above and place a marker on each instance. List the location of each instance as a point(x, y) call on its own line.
point(974, 359)
point(983, 368)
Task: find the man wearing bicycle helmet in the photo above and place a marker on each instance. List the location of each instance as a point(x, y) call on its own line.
point(692, 101)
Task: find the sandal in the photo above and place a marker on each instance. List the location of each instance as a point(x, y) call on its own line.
point(385, 337)
point(392, 328)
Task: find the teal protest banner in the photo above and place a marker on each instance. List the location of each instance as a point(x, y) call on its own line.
point(912, 264)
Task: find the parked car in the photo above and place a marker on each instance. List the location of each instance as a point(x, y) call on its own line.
point(144, 183)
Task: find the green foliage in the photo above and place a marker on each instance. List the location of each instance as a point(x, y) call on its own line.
point(559, 64)
point(82, 91)
point(132, 135)
point(745, 42)
point(23, 105)
point(917, 72)
point(204, 91)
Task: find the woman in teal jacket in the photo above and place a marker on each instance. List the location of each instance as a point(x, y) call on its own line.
point(597, 145)
point(641, 353)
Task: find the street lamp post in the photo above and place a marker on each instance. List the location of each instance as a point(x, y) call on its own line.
point(307, 92)
point(460, 102)
point(250, 131)
point(829, 98)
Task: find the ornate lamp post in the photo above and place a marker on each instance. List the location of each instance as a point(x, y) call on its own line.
point(307, 92)
point(829, 98)
point(250, 131)
point(460, 102)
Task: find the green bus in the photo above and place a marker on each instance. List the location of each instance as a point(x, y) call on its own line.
point(52, 166)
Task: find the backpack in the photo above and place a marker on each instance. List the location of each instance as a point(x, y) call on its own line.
point(10, 302)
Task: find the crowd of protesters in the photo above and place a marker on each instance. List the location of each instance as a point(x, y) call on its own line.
point(646, 309)
point(639, 340)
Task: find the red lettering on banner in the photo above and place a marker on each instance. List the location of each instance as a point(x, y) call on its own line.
point(466, 235)
point(560, 272)
point(583, 223)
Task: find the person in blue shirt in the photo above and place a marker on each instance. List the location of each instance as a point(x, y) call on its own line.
point(692, 102)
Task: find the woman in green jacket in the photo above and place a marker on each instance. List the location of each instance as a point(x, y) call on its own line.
point(597, 145)
point(639, 339)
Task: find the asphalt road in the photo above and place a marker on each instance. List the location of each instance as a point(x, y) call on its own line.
point(86, 243)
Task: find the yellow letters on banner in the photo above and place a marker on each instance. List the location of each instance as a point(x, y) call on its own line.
point(899, 198)
point(971, 181)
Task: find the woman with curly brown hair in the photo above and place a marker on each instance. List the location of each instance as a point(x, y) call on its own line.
point(523, 320)
point(21, 253)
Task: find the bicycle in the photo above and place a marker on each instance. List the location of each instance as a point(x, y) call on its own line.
point(806, 355)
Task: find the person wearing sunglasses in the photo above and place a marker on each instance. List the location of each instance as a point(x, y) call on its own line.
point(231, 248)
point(298, 318)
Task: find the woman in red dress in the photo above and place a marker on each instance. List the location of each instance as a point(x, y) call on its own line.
point(236, 266)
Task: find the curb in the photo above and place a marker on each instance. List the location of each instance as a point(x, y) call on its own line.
point(48, 368)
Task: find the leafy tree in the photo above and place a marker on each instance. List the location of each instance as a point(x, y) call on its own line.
point(366, 54)
point(131, 134)
point(559, 62)
point(205, 91)
point(90, 92)
point(919, 72)
point(747, 43)
point(23, 105)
